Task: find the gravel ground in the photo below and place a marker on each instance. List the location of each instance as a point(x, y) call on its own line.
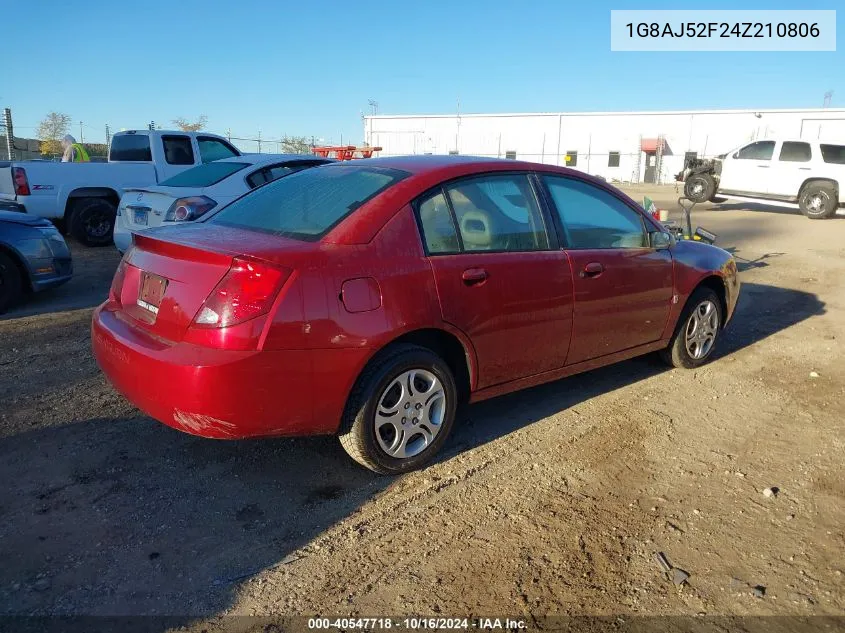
point(550, 501)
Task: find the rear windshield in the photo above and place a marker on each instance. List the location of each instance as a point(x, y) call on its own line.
point(130, 147)
point(204, 175)
point(833, 154)
point(308, 204)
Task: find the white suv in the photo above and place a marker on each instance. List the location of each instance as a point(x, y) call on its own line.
point(809, 173)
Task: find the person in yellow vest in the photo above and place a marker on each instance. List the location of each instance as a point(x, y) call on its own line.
point(74, 152)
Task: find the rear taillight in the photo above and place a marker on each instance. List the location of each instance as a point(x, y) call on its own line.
point(187, 209)
point(247, 291)
point(21, 183)
point(119, 275)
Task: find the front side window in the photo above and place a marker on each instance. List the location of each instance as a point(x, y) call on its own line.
point(212, 149)
point(498, 213)
point(794, 152)
point(437, 226)
point(761, 150)
point(594, 218)
point(834, 154)
point(178, 150)
point(309, 203)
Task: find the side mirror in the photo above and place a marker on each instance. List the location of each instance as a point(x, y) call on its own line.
point(660, 240)
point(735, 155)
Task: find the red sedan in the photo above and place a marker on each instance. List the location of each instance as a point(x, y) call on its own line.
point(369, 299)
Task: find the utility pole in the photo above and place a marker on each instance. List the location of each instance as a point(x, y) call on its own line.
point(7, 123)
point(108, 138)
point(259, 141)
point(229, 134)
point(373, 106)
point(152, 125)
point(828, 96)
point(81, 133)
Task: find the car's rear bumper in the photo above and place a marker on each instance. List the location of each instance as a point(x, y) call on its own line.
point(217, 393)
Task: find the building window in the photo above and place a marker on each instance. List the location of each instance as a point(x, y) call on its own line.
point(571, 158)
point(613, 159)
point(511, 154)
point(453, 152)
point(689, 157)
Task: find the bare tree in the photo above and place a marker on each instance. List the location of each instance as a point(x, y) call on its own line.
point(50, 132)
point(295, 145)
point(187, 126)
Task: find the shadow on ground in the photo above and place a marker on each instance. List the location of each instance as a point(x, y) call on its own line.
point(126, 516)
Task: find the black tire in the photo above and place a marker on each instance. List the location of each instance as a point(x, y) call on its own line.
point(92, 221)
point(699, 187)
point(677, 354)
point(818, 200)
point(358, 429)
point(11, 283)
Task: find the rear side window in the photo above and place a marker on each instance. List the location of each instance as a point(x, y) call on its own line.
point(833, 154)
point(761, 150)
point(212, 149)
point(594, 218)
point(204, 175)
point(269, 174)
point(438, 228)
point(130, 147)
point(794, 152)
point(308, 204)
point(498, 213)
point(178, 150)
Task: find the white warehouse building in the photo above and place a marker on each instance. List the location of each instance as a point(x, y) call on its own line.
point(619, 146)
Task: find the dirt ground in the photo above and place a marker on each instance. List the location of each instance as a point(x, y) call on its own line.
point(550, 501)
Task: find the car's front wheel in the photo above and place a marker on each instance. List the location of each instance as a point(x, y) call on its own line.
point(697, 331)
point(700, 187)
point(11, 284)
point(401, 410)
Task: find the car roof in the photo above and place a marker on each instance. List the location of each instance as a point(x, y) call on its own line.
point(263, 159)
point(418, 164)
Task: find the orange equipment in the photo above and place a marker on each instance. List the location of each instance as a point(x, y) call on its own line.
point(345, 152)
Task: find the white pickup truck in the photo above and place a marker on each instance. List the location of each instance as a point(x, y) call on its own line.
point(810, 174)
point(82, 198)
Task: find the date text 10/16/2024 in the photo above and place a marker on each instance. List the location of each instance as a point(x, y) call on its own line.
point(416, 624)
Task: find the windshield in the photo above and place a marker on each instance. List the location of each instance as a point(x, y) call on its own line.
point(204, 175)
point(307, 204)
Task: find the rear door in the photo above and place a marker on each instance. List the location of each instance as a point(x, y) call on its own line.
point(749, 169)
point(623, 287)
point(179, 155)
point(500, 278)
point(792, 167)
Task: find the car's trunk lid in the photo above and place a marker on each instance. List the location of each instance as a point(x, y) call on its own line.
point(144, 208)
point(172, 270)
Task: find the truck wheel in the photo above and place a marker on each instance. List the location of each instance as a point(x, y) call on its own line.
point(818, 200)
point(700, 187)
point(92, 221)
point(11, 284)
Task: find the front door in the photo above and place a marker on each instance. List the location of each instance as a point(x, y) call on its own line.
point(623, 287)
point(749, 169)
point(650, 167)
point(498, 278)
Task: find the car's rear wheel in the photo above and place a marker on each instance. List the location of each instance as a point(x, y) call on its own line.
point(401, 410)
point(818, 200)
point(92, 221)
point(699, 187)
point(698, 329)
point(11, 284)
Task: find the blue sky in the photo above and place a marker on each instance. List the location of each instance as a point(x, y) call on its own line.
point(309, 68)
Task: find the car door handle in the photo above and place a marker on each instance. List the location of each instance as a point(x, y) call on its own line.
point(474, 276)
point(805, 168)
point(593, 269)
point(763, 166)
